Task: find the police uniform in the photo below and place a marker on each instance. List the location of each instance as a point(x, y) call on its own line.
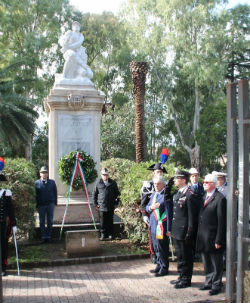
point(183, 229)
point(7, 221)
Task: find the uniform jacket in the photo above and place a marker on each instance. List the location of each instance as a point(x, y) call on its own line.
point(146, 193)
point(212, 224)
point(106, 196)
point(184, 214)
point(6, 207)
point(223, 189)
point(165, 205)
point(199, 191)
point(46, 193)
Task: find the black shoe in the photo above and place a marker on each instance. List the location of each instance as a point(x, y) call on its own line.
point(154, 271)
point(161, 273)
point(205, 287)
point(4, 273)
point(173, 282)
point(214, 292)
point(182, 284)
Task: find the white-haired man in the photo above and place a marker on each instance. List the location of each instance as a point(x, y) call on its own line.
point(211, 236)
point(160, 218)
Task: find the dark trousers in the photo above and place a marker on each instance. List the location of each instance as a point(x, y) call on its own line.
point(184, 253)
point(213, 267)
point(106, 222)
point(48, 212)
point(161, 250)
point(4, 244)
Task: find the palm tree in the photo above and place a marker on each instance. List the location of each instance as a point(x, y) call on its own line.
point(139, 71)
point(17, 114)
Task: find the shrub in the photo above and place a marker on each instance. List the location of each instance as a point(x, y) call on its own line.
point(129, 209)
point(118, 169)
point(66, 165)
point(21, 175)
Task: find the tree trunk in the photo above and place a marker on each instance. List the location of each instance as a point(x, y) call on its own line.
point(139, 71)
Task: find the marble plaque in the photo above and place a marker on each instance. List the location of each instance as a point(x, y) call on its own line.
point(75, 132)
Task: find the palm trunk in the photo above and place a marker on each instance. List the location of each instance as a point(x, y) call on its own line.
point(139, 71)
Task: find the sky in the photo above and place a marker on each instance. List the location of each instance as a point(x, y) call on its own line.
point(98, 6)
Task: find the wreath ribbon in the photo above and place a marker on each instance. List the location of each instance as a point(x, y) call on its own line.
point(77, 169)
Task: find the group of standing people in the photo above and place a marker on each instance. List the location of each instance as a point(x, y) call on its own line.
point(193, 216)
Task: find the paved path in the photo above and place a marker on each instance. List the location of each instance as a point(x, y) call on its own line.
point(114, 282)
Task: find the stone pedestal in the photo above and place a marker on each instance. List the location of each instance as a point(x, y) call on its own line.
point(81, 243)
point(74, 124)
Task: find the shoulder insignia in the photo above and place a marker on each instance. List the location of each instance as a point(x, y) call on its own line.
point(146, 184)
point(8, 193)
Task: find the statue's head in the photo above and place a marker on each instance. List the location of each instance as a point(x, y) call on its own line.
point(76, 26)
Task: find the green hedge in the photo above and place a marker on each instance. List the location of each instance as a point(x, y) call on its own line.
point(21, 175)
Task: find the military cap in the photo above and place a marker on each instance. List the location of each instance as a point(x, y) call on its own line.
point(181, 173)
point(2, 177)
point(193, 171)
point(157, 166)
point(43, 169)
point(104, 171)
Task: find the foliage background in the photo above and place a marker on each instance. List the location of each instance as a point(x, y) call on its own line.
point(21, 175)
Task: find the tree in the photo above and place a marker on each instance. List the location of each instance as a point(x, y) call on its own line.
point(188, 45)
point(16, 112)
point(139, 71)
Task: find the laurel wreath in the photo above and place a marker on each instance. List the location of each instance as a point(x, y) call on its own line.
point(66, 166)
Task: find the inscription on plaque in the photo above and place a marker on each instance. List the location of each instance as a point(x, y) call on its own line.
point(75, 132)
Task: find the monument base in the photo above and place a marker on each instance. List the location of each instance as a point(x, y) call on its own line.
point(82, 243)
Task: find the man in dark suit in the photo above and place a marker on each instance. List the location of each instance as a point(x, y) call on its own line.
point(46, 199)
point(106, 198)
point(160, 215)
point(211, 236)
point(183, 224)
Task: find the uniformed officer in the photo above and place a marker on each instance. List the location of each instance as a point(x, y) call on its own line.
point(198, 190)
point(221, 182)
point(7, 221)
point(183, 225)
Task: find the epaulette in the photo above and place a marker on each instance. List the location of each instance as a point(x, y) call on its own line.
point(8, 193)
point(146, 184)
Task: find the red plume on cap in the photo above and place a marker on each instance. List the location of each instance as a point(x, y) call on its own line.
point(164, 155)
point(1, 163)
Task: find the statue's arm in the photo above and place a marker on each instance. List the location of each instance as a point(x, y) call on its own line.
point(76, 44)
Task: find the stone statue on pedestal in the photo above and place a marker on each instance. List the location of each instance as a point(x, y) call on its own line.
point(75, 70)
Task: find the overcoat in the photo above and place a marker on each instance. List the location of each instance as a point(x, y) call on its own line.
point(212, 224)
point(106, 196)
point(184, 214)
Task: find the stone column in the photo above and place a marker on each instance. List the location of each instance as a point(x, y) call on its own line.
point(74, 124)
